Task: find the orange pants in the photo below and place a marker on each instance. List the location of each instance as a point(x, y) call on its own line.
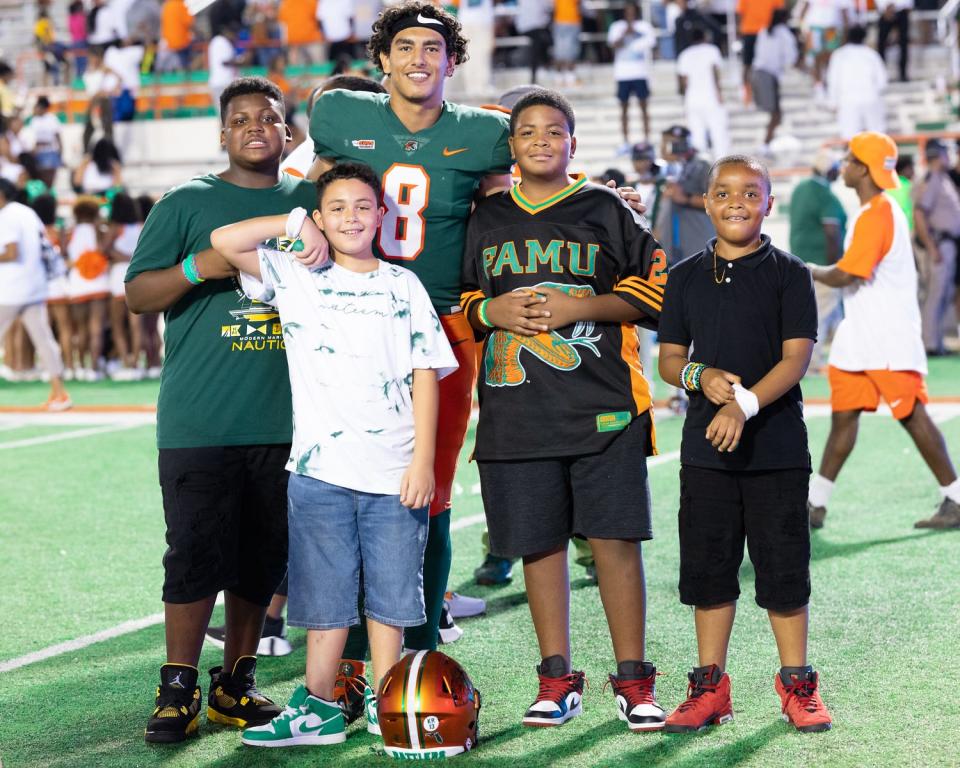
point(862, 390)
point(456, 399)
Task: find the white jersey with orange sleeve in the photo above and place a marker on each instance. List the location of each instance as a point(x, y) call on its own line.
point(880, 329)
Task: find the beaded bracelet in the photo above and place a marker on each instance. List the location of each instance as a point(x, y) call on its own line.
point(190, 271)
point(690, 376)
point(482, 313)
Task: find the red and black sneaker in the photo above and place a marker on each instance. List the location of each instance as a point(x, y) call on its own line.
point(708, 702)
point(800, 700)
point(636, 699)
point(349, 687)
point(560, 695)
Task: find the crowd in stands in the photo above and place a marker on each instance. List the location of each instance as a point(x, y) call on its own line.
point(112, 43)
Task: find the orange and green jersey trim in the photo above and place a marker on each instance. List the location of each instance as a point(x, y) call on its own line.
point(534, 208)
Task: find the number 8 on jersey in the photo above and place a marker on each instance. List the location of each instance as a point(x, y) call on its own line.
point(406, 191)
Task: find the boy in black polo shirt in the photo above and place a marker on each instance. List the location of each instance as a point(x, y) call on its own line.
point(748, 311)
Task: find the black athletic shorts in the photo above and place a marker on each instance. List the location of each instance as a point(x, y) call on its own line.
point(719, 510)
point(226, 514)
point(638, 88)
point(536, 505)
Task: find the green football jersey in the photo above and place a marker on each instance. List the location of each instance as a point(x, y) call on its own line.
point(224, 376)
point(429, 178)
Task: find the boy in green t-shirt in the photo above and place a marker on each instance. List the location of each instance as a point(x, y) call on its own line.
point(223, 416)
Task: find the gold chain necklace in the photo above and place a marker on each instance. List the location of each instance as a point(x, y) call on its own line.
point(716, 279)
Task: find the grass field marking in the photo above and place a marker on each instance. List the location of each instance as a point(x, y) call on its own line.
point(77, 433)
point(77, 418)
point(466, 522)
point(81, 642)
point(134, 625)
point(12, 425)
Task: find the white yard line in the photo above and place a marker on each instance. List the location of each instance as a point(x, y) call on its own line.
point(135, 625)
point(81, 642)
point(941, 412)
point(77, 433)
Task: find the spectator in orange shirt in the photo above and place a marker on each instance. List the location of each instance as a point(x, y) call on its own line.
point(566, 39)
point(302, 32)
point(176, 31)
point(754, 15)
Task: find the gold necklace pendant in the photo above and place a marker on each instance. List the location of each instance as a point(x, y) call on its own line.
point(718, 279)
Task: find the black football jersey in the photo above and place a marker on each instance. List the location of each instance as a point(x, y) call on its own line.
point(569, 391)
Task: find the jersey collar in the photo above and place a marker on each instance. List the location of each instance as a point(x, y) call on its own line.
point(563, 194)
point(750, 260)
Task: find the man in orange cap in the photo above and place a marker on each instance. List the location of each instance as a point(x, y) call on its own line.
point(878, 349)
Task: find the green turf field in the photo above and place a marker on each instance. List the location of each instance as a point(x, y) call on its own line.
point(81, 537)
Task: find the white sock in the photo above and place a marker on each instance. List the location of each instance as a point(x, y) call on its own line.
point(820, 490)
point(951, 491)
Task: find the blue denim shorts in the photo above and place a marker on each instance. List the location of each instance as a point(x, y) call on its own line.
point(337, 533)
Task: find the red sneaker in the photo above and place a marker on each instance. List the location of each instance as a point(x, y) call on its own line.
point(801, 703)
point(708, 702)
point(559, 698)
point(637, 702)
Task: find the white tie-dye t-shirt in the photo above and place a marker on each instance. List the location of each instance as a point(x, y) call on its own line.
point(353, 340)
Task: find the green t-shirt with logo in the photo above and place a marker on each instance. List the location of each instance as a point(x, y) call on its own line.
point(224, 378)
point(811, 204)
point(429, 178)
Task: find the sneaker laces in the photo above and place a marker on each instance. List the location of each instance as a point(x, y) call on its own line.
point(637, 691)
point(556, 688)
point(173, 697)
point(694, 692)
point(805, 691)
point(353, 684)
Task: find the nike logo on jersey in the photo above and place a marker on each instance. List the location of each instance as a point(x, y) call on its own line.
point(896, 402)
point(447, 152)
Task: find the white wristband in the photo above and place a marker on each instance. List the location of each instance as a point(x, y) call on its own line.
point(295, 220)
point(747, 401)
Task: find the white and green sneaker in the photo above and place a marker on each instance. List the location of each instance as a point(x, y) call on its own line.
point(370, 705)
point(306, 720)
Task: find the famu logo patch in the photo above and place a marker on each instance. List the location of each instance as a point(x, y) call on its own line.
point(613, 421)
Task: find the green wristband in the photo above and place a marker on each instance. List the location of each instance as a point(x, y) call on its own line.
point(482, 313)
point(190, 271)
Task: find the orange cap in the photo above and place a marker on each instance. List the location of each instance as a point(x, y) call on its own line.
point(878, 152)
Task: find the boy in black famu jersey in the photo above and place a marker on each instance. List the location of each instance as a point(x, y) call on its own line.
point(738, 326)
point(557, 273)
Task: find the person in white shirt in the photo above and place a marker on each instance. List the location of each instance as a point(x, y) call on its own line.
point(856, 80)
point(533, 19)
point(632, 41)
point(42, 137)
point(365, 351)
point(100, 84)
point(124, 61)
point(223, 63)
point(336, 22)
point(878, 350)
point(23, 287)
point(895, 16)
point(699, 68)
point(476, 21)
point(824, 22)
point(774, 52)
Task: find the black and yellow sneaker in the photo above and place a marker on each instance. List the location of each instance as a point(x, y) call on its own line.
point(234, 698)
point(177, 712)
